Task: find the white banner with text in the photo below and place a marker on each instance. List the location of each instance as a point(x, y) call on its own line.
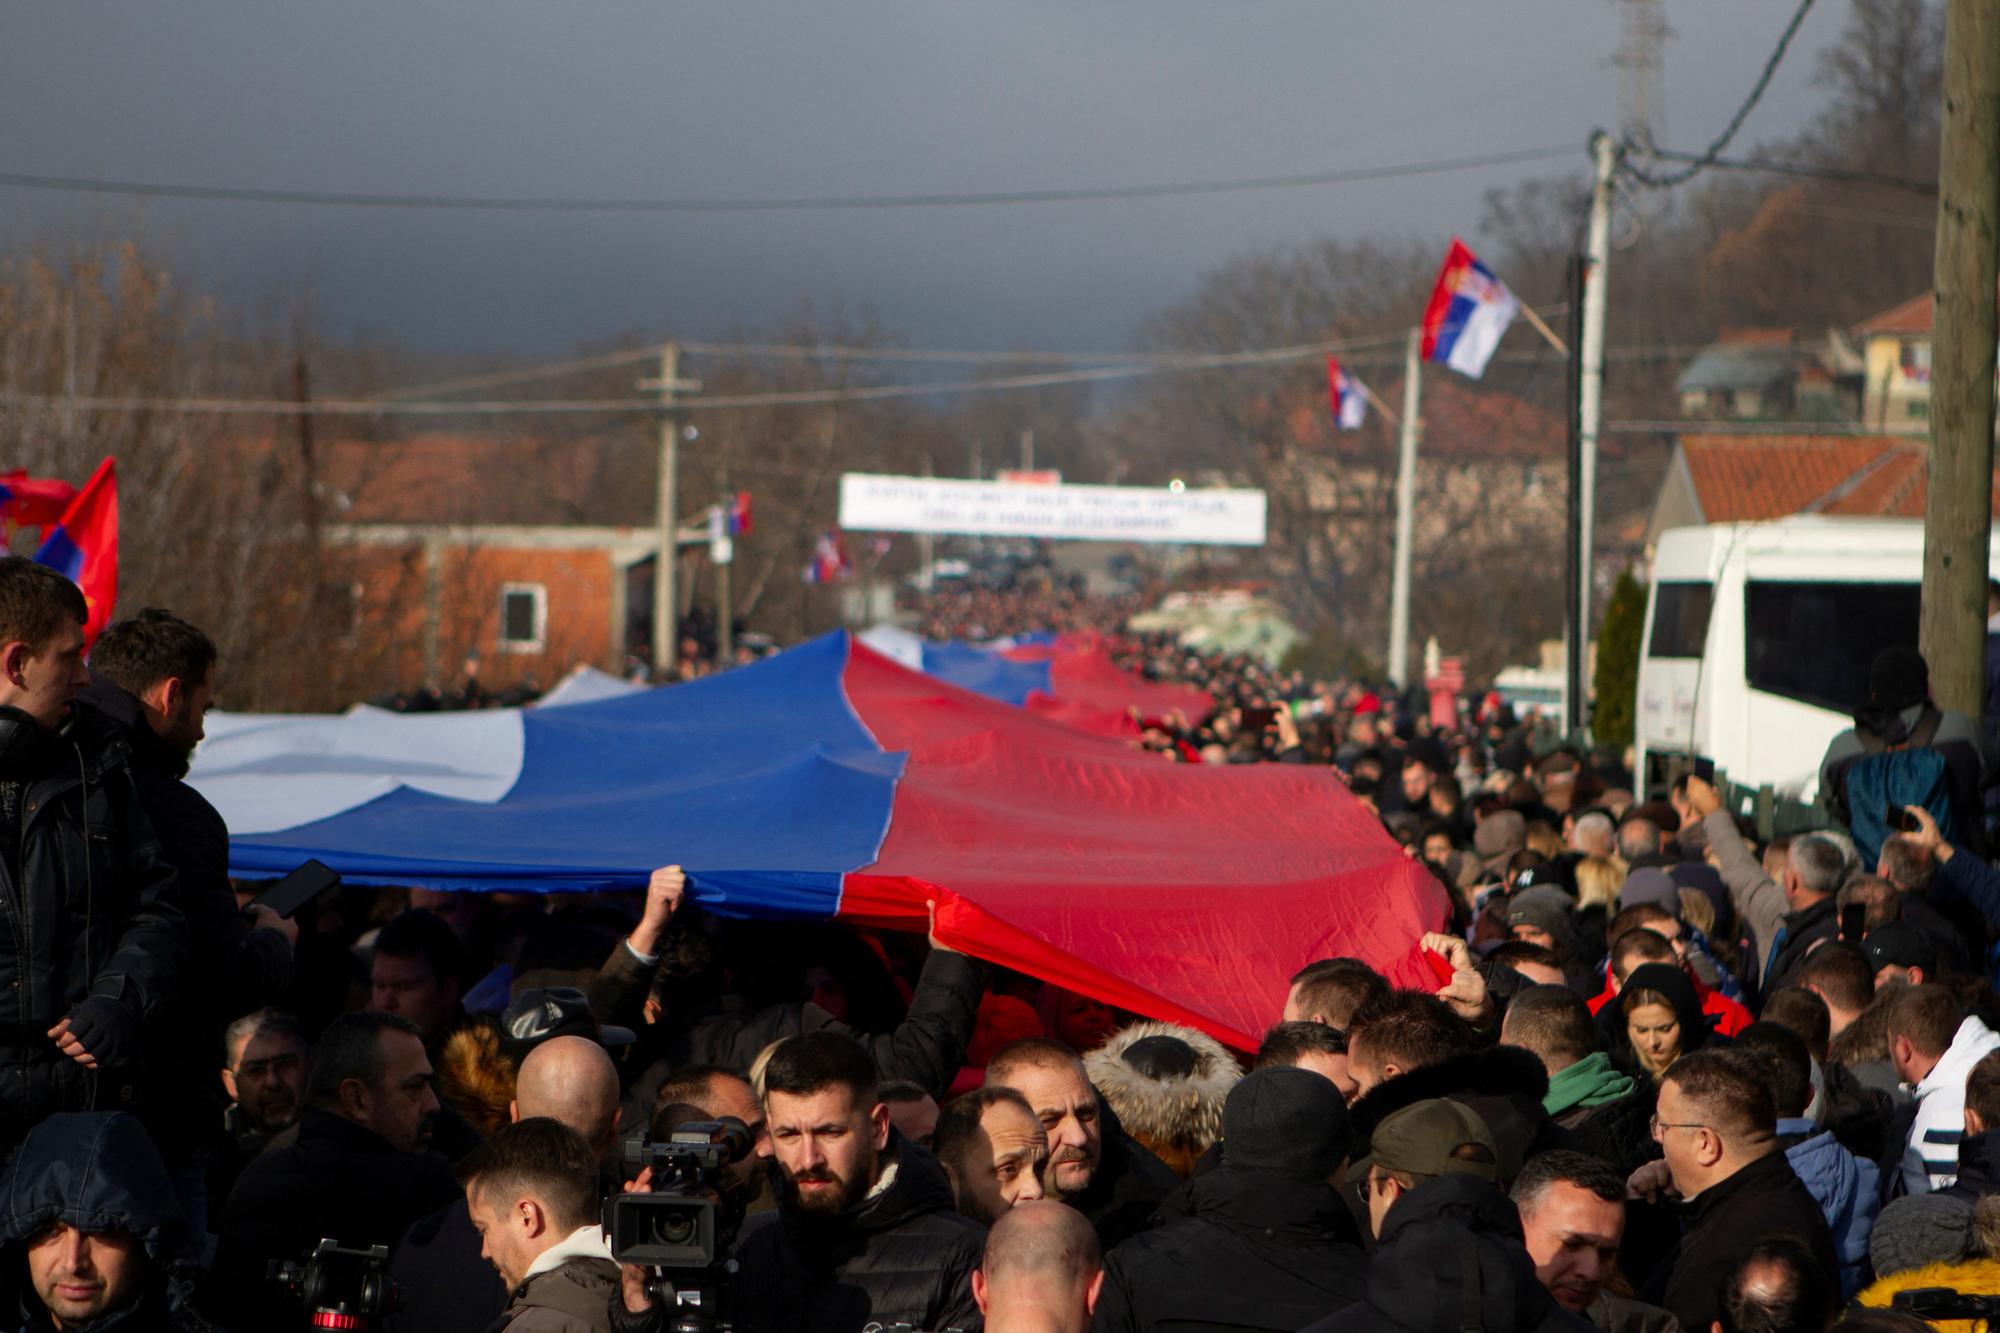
point(870, 502)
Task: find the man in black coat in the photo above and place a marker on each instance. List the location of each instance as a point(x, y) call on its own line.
point(1261, 1242)
point(152, 680)
point(1094, 1166)
point(92, 936)
point(1718, 1126)
point(360, 1171)
point(865, 1234)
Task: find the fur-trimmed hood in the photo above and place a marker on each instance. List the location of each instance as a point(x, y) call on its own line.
point(476, 1079)
point(1179, 1115)
point(1972, 1276)
point(1504, 1085)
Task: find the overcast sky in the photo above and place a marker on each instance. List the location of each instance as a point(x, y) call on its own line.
point(750, 98)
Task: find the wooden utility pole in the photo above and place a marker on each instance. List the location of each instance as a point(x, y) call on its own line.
point(1406, 509)
point(1958, 511)
point(667, 560)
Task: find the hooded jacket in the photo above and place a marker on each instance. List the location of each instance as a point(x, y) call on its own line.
point(1972, 1277)
point(89, 908)
point(1235, 1250)
point(902, 1255)
point(1848, 1191)
point(98, 1171)
point(1670, 981)
point(1930, 1156)
point(1452, 1259)
point(1726, 1017)
point(1607, 1111)
point(1503, 1085)
point(1176, 1118)
point(568, 1290)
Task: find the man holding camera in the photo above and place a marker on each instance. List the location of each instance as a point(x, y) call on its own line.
point(532, 1193)
point(865, 1234)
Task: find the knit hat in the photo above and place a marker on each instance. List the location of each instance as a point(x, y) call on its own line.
point(1422, 1137)
point(1650, 884)
point(1897, 679)
point(1920, 1229)
point(1289, 1122)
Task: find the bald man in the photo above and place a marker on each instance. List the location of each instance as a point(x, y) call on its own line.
point(1042, 1272)
point(446, 1286)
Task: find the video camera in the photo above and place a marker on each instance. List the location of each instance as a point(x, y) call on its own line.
point(340, 1287)
point(684, 1228)
point(1932, 1304)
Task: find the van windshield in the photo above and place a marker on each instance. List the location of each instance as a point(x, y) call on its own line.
point(1680, 619)
point(1813, 641)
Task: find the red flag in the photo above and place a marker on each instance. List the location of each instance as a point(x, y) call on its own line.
point(83, 545)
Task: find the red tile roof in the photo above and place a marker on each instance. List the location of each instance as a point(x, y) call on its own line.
point(1913, 316)
point(1746, 478)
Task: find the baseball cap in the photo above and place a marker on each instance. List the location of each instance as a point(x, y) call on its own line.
point(1895, 944)
point(539, 1013)
point(1422, 1137)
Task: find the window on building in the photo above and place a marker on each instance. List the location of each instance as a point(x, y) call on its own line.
point(1917, 362)
point(524, 617)
point(1813, 641)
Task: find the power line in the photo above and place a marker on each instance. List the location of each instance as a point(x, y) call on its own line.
point(1841, 174)
point(544, 204)
point(1697, 165)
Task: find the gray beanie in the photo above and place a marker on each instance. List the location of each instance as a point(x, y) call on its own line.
point(1920, 1229)
point(1650, 884)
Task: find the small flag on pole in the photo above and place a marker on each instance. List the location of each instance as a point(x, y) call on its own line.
point(829, 563)
point(83, 547)
point(1468, 313)
point(1350, 405)
point(739, 515)
point(33, 502)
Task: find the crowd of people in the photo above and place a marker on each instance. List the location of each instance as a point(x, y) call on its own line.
point(1665, 1076)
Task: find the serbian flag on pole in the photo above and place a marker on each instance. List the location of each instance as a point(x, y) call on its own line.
point(1469, 311)
point(83, 545)
point(830, 563)
point(1350, 407)
point(33, 502)
point(739, 514)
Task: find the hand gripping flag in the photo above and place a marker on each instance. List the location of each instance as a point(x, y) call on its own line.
point(83, 546)
point(1350, 405)
point(1469, 311)
point(33, 502)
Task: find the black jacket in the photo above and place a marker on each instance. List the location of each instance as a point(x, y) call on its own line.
point(89, 907)
point(445, 1284)
point(1763, 1201)
point(1130, 1185)
point(1503, 1085)
point(927, 1047)
point(904, 1256)
point(1452, 1258)
point(232, 969)
point(1803, 929)
point(1620, 1132)
point(1978, 1168)
point(338, 1180)
point(98, 1172)
point(1235, 1250)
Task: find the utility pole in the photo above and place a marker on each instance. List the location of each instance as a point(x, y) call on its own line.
point(1406, 485)
point(1027, 451)
point(1575, 689)
point(667, 560)
point(1590, 388)
point(722, 549)
point(1958, 510)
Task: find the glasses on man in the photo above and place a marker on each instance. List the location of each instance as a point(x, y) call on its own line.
point(1658, 1124)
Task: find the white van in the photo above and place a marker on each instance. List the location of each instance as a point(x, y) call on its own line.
point(1758, 639)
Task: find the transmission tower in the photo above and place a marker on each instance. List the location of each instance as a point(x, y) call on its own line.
point(1642, 105)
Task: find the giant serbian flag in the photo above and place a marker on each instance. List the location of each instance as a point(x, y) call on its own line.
point(829, 782)
point(1469, 312)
